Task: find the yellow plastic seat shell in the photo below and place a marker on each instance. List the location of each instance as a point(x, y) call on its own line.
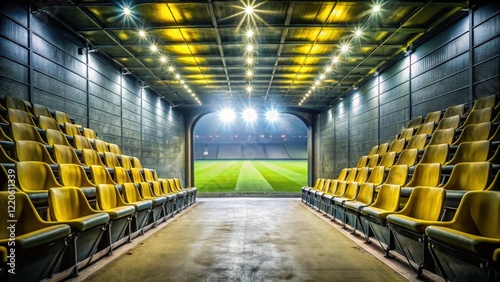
point(425, 175)
point(115, 149)
point(433, 117)
point(136, 163)
point(415, 122)
point(387, 202)
point(100, 146)
point(91, 157)
point(55, 137)
point(422, 209)
point(382, 148)
point(474, 132)
point(89, 133)
point(485, 102)
point(35, 177)
point(454, 111)
point(110, 201)
point(442, 136)
point(397, 146)
point(365, 197)
point(478, 116)
point(62, 117)
point(74, 175)
point(100, 175)
point(68, 205)
point(388, 159)
point(426, 128)
point(40, 110)
point(65, 155)
point(475, 228)
point(81, 142)
point(20, 116)
point(469, 176)
point(110, 160)
point(15, 103)
point(71, 129)
point(435, 154)
point(449, 122)
point(397, 175)
point(23, 131)
point(417, 142)
point(46, 122)
point(132, 196)
point(121, 176)
point(476, 151)
point(407, 157)
point(32, 151)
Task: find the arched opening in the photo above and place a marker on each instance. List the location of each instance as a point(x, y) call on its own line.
point(267, 155)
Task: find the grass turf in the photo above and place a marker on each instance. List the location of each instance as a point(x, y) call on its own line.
point(235, 176)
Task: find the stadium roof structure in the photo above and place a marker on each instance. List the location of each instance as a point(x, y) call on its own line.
point(298, 54)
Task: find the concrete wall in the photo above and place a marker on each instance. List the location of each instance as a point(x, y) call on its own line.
point(39, 62)
point(458, 65)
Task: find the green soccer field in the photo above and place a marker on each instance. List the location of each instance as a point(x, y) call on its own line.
point(236, 176)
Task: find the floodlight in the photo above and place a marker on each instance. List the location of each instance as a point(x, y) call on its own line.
point(249, 115)
point(272, 115)
point(248, 10)
point(153, 48)
point(126, 11)
point(227, 115)
point(142, 33)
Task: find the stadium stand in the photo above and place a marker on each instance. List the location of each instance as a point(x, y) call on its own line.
point(435, 220)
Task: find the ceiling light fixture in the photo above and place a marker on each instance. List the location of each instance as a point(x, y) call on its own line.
point(163, 59)
point(153, 48)
point(344, 48)
point(227, 115)
point(249, 60)
point(249, 88)
point(272, 115)
point(249, 10)
point(127, 11)
point(177, 76)
point(249, 48)
point(376, 8)
point(249, 33)
point(249, 115)
point(328, 69)
point(335, 59)
point(358, 32)
point(142, 33)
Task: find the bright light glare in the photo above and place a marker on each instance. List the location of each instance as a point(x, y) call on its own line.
point(126, 11)
point(248, 10)
point(249, 115)
point(358, 32)
point(163, 59)
point(249, 73)
point(272, 115)
point(142, 33)
point(249, 33)
point(335, 60)
point(376, 8)
point(171, 69)
point(249, 89)
point(227, 115)
point(249, 60)
point(344, 48)
point(249, 48)
point(153, 48)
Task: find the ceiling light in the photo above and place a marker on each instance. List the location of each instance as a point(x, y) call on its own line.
point(344, 48)
point(309, 92)
point(185, 86)
point(376, 8)
point(181, 81)
point(314, 87)
point(177, 76)
point(248, 10)
point(126, 11)
point(249, 60)
point(192, 94)
point(317, 82)
point(272, 115)
point(226, 115)
point(249, 48)
point(249, 88)
point(322, 76)
point(335, 60)
point(249, 33)
point(358, 32)
point(163, 59)
point(171, 69)
point(153, 48)
point(355, 87)
point(307, 95)
point(249, 115)
point(142, 33)
point(328, 69)
point(249, 73)
point(300, 104)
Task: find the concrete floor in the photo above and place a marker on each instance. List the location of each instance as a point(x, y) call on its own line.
point(245, 239)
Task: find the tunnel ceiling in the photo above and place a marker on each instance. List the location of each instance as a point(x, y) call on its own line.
point(305, 53)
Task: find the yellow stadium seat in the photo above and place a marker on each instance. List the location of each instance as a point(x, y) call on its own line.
point(74, 175)
point(328, 197)
point(469, 177)
point(306, 190)
point(68, 205)
point(120, 213)
point(478, 116)
point(23, 131)
point(100, 175)
point(397, 175)
point(362, 162)
point(388, 160)
point(382, 148)
point(465, 247)
point(495, 159)
point(89, 133)
point(485, 102)
point(55, 137)
point(406, 134)
point(426, 128)
point(40, 110)
point(45, 123)
point(474, 132)
point(65, 155)
point(143, 207)
point(159, 202)
point(373, 160)
point(337, 202)
point(407, 157)
point(496, 135)
point(15, 103)
point(62, 117)
point(32, 151)
point(352, 209)
point(181, 200)
point(115, 149)
point(158, 190)
point(449, 122)
point(456, 110)
point(91, 157)
point(477, 151)
point(38, 244)
point(417, 142)
point(121, 176)
point(35, 177)
point(318, 193)
point(397, 146)
point(81, 142)
point(442, 136)
point(125, 162)
point(435, 154)
point(433, 117)
point(373, 150)
point(110, 160)
point(71, 129)
point(100, 146)
point(408, 225)
point(376, 176)
point(387, 202)
point(415, 122)
point(190, 190)
point(425, 175)
point(136, 163)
